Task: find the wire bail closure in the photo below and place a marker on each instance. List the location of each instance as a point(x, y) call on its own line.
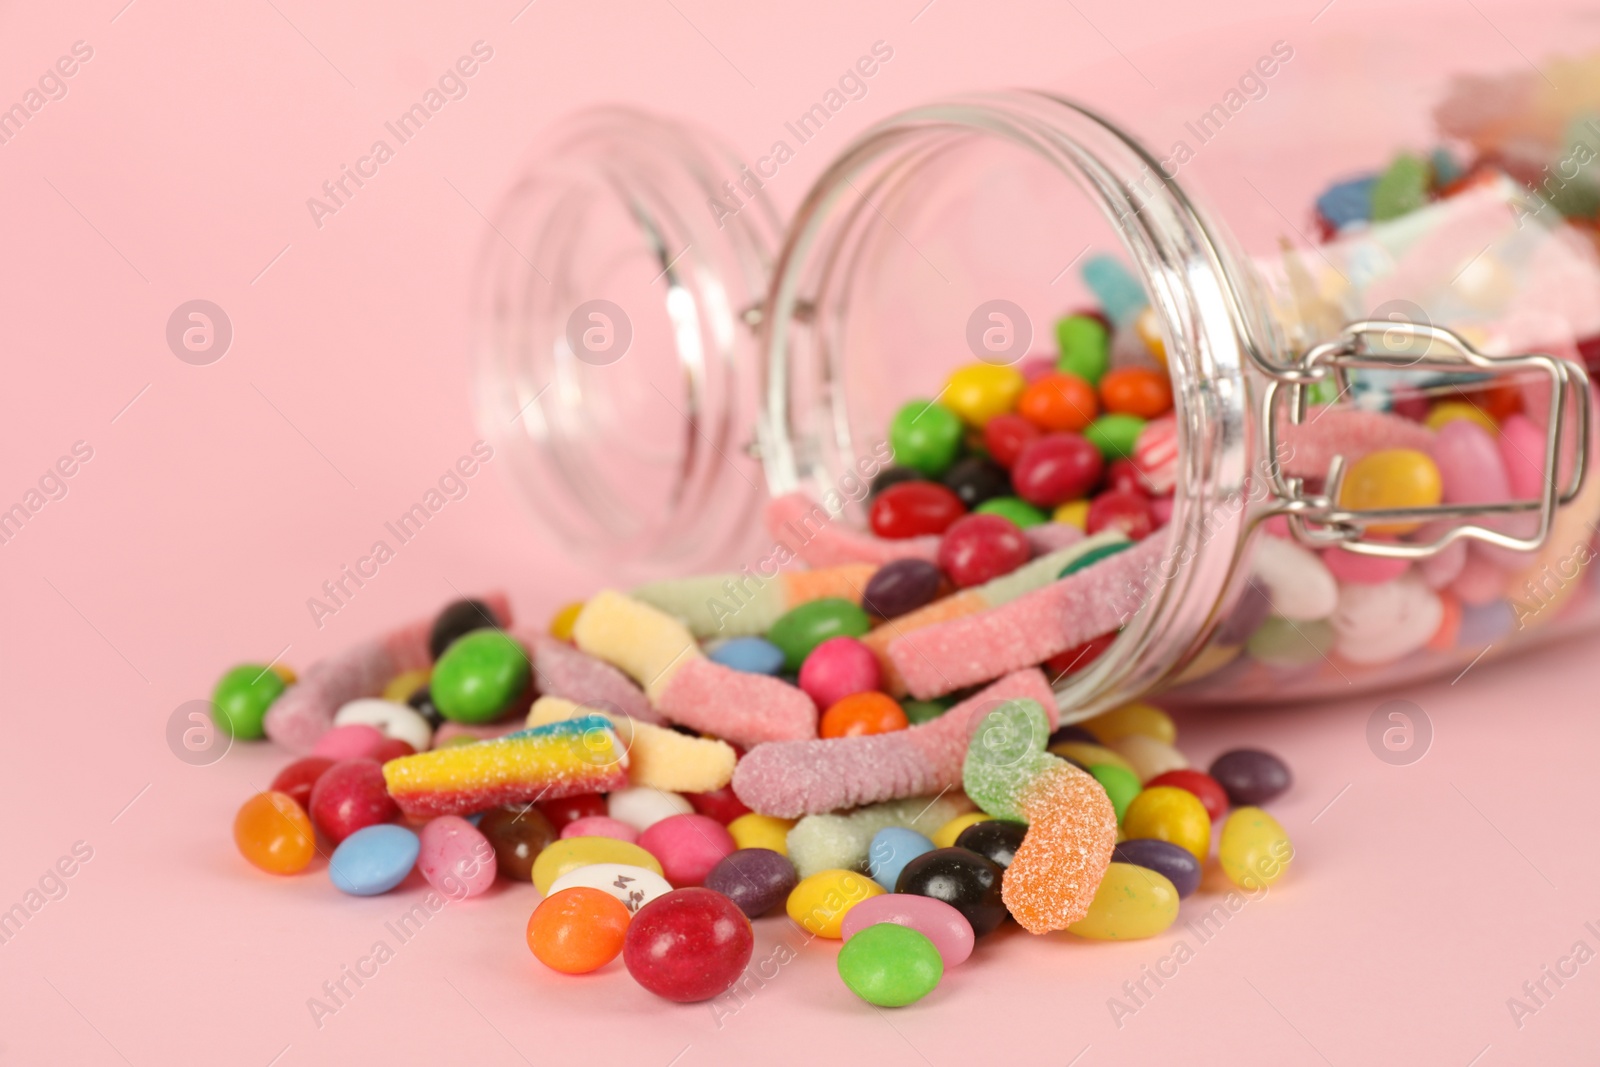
point(1316, 519)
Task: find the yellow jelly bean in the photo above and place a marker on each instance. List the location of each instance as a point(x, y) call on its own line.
point(570, 853)
point(1090, 755)
point(1391, 478)
point(945, 836)
point(1171, 814)
point(1450, 410)
point(404, 684)
point(561, 623)
point(1149, 757)
point(1135, 718)
point(1072, 513)
point(1148, 327)
point(762, 831)
point(1131, 903)
point(820, 903)
point(980, 391)
point(286, 672)
point(1254, 849)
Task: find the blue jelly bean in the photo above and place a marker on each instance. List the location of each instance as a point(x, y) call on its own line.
point(1485, 624)
point(892, 848)
point(753, 655)
point(1348, 201)
point(373, 860)
point(1118, 292)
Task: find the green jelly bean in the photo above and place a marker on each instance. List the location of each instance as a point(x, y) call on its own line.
point(1014, 508)
point(478, 676)
point(925, 437)
point(1281, 643)
point(921, 711)
point(1115, 435)
point(890, 965)
point(1401, 189)
point(1120, 784)
point(1085, 347)
point(240, 701)
point(1094, 555)
point(803, 628)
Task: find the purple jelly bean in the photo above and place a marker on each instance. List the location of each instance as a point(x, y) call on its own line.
point(1251, 776)
point(756, 879)
point(900, 587)
point(1176, 863)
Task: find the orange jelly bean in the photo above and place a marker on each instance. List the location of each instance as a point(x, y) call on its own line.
point(863, 713)
point(1139, 391)
point(1059, 402)
point(274, 833)
point(578, 930)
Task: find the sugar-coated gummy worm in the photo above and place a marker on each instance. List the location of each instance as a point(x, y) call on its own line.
point(658, 757)
point(1072, 827)
point(305, 710)
point(807, 532)
point(744, 604)
point(561, 759)
point(825, 842)
point(794, 778)
point(559, 670)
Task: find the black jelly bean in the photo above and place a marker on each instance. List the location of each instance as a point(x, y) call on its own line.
point(977, 479)
point(1175, 862)
point(458, 619)
point(900, 587)
point(1250, 776)
point(966, 881)
point(996, 840)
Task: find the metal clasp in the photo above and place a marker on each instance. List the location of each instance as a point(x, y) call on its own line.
point(1316, 518)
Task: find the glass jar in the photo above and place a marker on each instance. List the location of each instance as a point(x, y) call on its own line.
point(934, 222)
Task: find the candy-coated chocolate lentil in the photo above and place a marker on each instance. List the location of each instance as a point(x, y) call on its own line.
point(921, 711)
point(722, 804)
point(1056, 468)
point(1250, 776)
point(389, 718)
point(1254, 849)
point(820, 903)
point(567, 809)
point(1014, 508)
point(241, 699)
point(1004, 436)
point(946, 927)
point(1170, 814)
point(355, 740)
point(568, 854)
point(837, 668)
point(402, 685)
point(373, 860)
point(804, 627)
point(1120, 784)
point(297, 779)
point(689, 945)
point(634, 887)
point(756, 879)
point(1391, 478)
point(1123, 476)
point(478, 676)
point(914, 509)
point(688, 846)
point(996, 840)
point(1132, 903)
point(1059, 402)
point(966, 881)
point(976, 479)
point(979, 548)
point(762, 831)
point(1175, 863)
point(753, 655)
point(892, 848)
point(274, 834)
point(1139, 391)
point(1115, 435)
point(1094, 555)
point(1122, 510)
point(578, 930)
point(1133, 718)
point(1072, 513)
point(562, 621)
point(980, 391)
point(890, 965)
point(1085, 347)
point(456, 620)
point(350, 796)
point(1202, 785)
point(925, 436)
point(517, 835)
point(901, 586)
point(862, 714)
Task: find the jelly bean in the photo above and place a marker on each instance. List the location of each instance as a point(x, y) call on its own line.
point(688, 846)
point(1115, 436)
point(996, 840)
point(1134, 718)
point(1015, 509)
point(756, 879)
point(921, 711)
point(373, 860)
point(641, 807)
point(1282, 643)
point(297, 779)
point(391, 748)
point(980, 391)
point(1177, 865)
point(900, 587)
point(1121, 510)
point(456, 620)
point(924, 436)
point(1250, 776)
point(1202, 785)
point(1138, 391)
point(863, 714)
point(517, 835)
point(274, 834)
point(820, 902)
point(570, 853)
point(1056, 468)
point(1445, 412)
point(1085, 347)
point(402, 685)
point(631, 885)
point(1120, 785)
point(1401, 189)
point(892, 848)
point(1470, 468)
point(1170, 814)
point(753, 655)
point(804, 627)
point(1059, 402)
point(1071, 732)
point(354, 741)
point(1004, 437)
point(1086, 755)
point(600, 826)
point(890, 965)
point(892, 476)
point(762, 831)
point(422, 703)
point(945, 836)
point(1161, 510)
point(1254, 849)
point(1123, 476)
point(689, 945)
point(1148, 327)
point(941, 924)
point(979, 548)
point(286, 672)
point(562, 621)
point(390, 719)
point(478, 676)
point(565, 810)
point(1132, 903)
point(1391, 478)
point(241, 698)
point(1148, 756)
point(1296, 580)
point(976, 479)
point(1347, 566)
point(350, 796)
point(966, 881)
point(913, 509)
point(1348, 201)
point(578, 930)
point(722, 804)
point(1072, 513)
point(837, 668)
point(455, 857)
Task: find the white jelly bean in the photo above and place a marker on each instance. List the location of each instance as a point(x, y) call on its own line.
point(642, 807)
point(1300, 586)
point(1382, 623)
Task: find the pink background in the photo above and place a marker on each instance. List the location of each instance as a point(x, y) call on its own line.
point(220, 497)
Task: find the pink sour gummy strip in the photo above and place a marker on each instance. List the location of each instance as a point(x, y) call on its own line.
point(737, 706)
point(806, 529)
point(560, 670)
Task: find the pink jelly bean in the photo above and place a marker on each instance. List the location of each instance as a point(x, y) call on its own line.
point(600, 826)
point(837, 668)
point(1469, 464)
point(1479, 582)
point(1362, 570)
point(1522, 451)
point(688, 846)
point(455, 858)
point(355, 741)
point(1444, 566)
point(940, 923)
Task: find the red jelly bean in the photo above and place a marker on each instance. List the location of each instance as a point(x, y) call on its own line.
point(719, 804)
point(1056, 468)
point(688, 945)
point(1202, 785)
point(297, 779)
point(1123, 476)
point(1078, 657)
point(1005, 436)
point(1121, 510)
point(912, 509)
point(977, 548)
point(350, 796)
point(571, 809)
